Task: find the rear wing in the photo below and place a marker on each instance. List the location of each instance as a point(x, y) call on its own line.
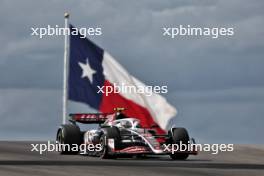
point(97, 118)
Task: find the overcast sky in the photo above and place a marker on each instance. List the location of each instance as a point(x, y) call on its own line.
point(216, 84)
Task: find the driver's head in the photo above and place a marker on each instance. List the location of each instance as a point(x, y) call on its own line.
point(125, 124)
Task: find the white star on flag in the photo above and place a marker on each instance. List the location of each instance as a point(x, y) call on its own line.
point(87, 70)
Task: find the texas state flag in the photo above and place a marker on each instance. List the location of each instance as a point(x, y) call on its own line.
point(90, 66)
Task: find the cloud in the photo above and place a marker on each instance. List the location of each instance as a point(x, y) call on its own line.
point(29, 114)
point(229, 116)
point(223, 116)
point(132, 33)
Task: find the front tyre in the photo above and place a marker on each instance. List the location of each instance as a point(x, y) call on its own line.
point(110, 133)
point(179, 135)
point(104, 148)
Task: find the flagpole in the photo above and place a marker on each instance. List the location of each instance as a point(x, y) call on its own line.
point(65, 69)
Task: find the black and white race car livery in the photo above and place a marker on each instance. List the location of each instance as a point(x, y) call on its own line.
point(118, 135)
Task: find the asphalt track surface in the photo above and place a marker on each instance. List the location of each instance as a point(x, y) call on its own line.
point(17, 159)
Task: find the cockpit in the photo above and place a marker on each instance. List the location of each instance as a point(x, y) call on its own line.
point(130, 123)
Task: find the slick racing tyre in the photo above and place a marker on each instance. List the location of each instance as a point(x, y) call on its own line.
point(179, 135)
point(69, 138)
point(110, 133)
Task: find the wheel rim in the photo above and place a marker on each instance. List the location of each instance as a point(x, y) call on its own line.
point(103, 150)
point(60, 138)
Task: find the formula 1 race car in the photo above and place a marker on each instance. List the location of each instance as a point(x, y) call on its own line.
point(118, 135)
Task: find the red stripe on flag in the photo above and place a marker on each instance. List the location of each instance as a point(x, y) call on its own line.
point(134, 110)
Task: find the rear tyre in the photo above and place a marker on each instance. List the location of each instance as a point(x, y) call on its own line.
point(179, 135)
point(70, 136)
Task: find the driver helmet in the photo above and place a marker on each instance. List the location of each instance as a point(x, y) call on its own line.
point(125, 124)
